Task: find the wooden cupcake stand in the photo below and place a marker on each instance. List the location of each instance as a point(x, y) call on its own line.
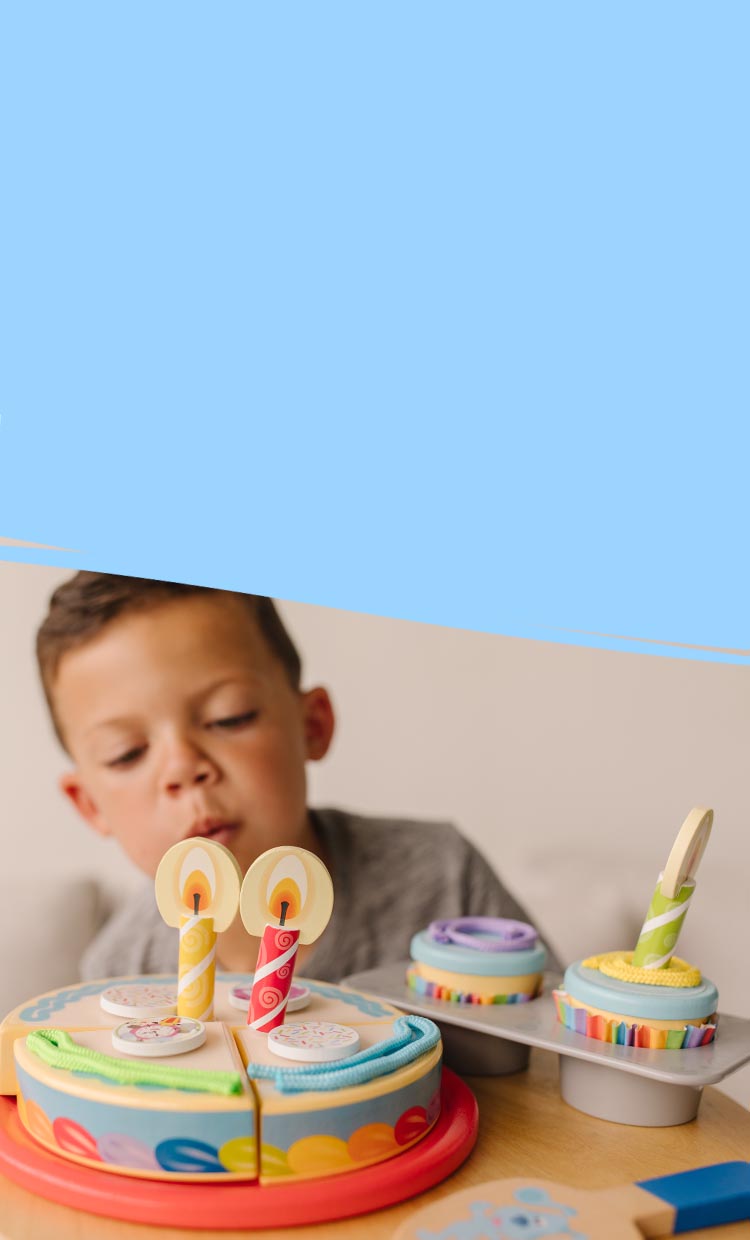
point(624, 1084)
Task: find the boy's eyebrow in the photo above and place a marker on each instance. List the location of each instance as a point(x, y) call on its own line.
point(237, 678)
point(122, 722)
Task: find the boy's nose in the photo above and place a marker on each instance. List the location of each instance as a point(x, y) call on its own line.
point(187, 768)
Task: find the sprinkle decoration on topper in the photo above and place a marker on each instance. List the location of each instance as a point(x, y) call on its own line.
point(197, 888)
point(674, 890)
point(286, 898)
point(314, 1041)
point(145, 1001)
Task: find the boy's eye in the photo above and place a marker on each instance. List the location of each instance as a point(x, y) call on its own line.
point(235, 721)
point(127, 758)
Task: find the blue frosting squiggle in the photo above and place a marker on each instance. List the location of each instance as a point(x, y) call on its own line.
point(42, 1009)
point(47, 1004)
point(369, 1007)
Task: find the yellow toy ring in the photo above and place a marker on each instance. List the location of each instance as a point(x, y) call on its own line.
point(677, 973)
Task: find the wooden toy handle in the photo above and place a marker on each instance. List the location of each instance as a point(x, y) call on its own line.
point(705, 1197)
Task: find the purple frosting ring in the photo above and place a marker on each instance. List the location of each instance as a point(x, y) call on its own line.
point(500, 934)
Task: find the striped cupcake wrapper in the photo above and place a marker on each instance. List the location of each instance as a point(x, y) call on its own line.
point(620, 1033)
point(432, 990)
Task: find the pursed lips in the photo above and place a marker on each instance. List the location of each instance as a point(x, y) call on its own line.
point(219, 829)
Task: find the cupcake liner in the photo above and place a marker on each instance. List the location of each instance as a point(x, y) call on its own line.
point(621, 1033)
point(433, 990)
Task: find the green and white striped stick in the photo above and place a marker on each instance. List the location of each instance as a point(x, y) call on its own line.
point(658, 938)
point(670, 901)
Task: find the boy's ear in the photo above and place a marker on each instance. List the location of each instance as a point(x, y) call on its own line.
point(319, 721)
point(70, 784)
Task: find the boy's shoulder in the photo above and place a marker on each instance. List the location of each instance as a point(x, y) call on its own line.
point(373, 837)
point(388, 854)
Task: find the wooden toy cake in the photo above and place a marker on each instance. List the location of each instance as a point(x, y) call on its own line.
point(649, 997)
point(164, 1078)
point(477, 960)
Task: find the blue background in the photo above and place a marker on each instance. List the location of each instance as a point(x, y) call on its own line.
point(433, 310)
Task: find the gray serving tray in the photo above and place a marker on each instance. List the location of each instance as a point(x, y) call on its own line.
point(625, 1084)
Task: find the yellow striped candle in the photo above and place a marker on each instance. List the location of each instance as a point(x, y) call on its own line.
point(197, 888)
point(197, 967)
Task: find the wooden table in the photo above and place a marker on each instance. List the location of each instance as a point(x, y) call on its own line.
point(525, 1129)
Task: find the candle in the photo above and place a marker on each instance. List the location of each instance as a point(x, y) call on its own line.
point(197, 889)
point(286, 899)
point(273, 977)
point(669, 903)
point(196, 967)
point(658, 938)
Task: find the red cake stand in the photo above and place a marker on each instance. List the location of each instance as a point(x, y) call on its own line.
point(216, 1207)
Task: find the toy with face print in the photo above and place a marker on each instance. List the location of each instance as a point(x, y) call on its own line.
point(524, 1210)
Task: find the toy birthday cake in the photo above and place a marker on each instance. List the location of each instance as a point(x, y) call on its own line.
point(163, 1078)
point(477, 960)
point(649, 997)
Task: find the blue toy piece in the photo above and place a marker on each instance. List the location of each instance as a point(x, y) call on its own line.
point(706, 1196)
point(490, 1222)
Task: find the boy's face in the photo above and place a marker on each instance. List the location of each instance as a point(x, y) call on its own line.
point(181, 721)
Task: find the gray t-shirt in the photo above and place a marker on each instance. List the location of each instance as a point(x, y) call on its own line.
point(391, 878)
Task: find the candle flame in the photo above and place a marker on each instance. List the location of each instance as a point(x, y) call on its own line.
point(287, 883)
point(197, 881)
point(286, 892)
point(196, 890)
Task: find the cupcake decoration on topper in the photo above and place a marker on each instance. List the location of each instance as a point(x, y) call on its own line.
point(286, 899)
point(477, 960)
point(197, 888)
point(649, 997)
point(674, 891)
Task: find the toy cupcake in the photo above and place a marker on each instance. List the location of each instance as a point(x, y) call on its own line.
point(649, 997)
point(477, 960)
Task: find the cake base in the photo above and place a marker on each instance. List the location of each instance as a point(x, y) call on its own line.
point(239, 1206)
point(135, 1130)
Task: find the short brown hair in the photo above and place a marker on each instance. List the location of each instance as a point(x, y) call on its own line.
point(80, 608)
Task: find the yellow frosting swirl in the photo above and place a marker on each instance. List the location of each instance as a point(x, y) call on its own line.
point(619, 965)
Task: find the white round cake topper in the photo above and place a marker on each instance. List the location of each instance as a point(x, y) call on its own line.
point(314, 1041)
point(290, 887)
point(299, 997)
point(158, 1039)
point(144, 1001)
point(687, 850)
point(198, 872)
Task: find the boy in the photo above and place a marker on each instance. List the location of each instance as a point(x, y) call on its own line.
point(181, 710)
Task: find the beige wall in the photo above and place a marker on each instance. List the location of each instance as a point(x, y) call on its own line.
point(527, 745)
point(571, 768)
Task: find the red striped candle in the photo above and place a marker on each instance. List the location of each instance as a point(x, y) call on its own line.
point(272, 980)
